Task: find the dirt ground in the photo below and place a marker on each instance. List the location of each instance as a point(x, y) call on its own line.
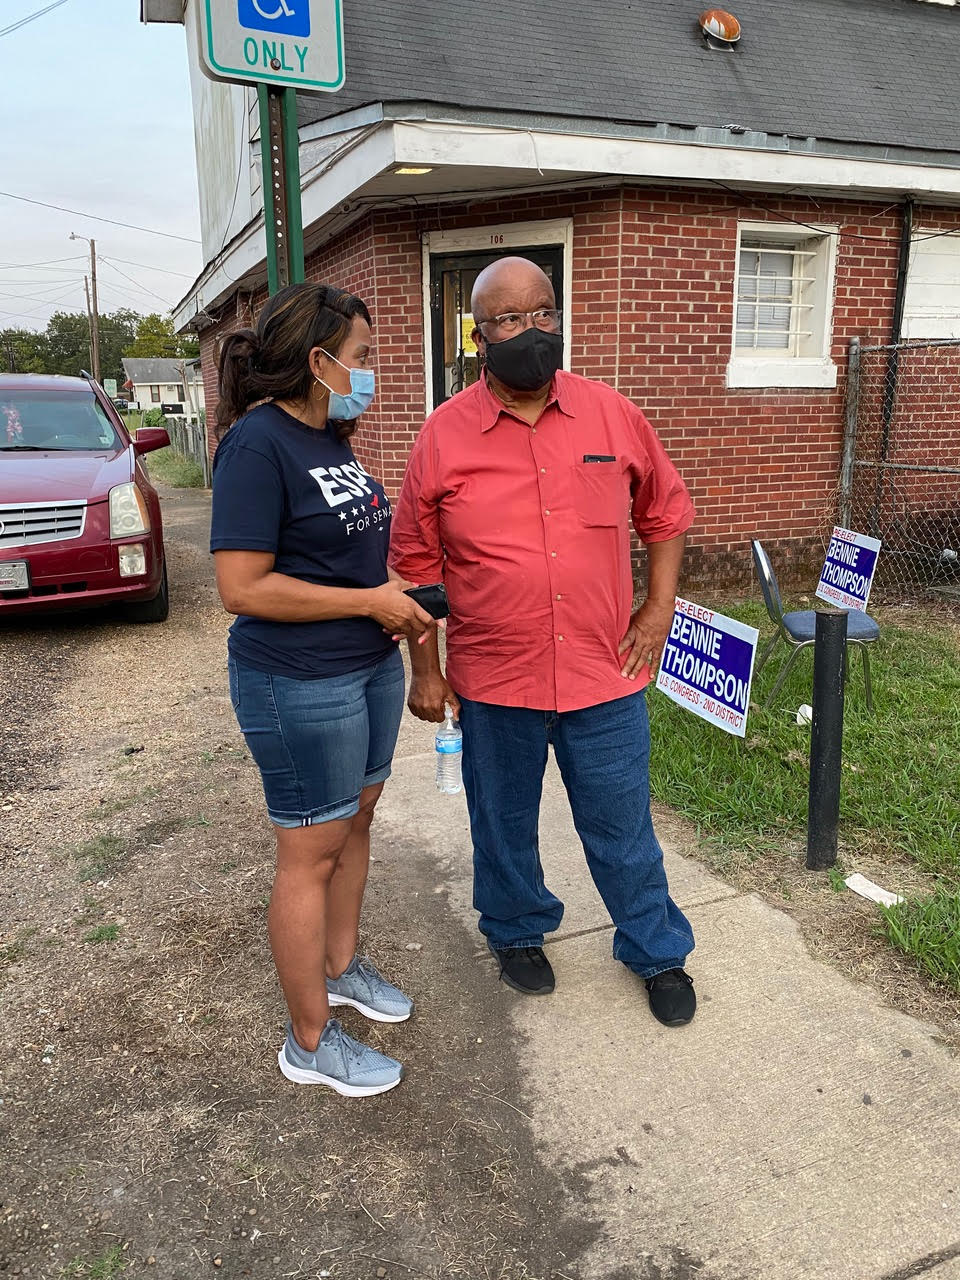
point(144, 1126)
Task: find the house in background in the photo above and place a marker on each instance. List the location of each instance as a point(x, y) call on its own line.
point(719, 223)
point(173, 385)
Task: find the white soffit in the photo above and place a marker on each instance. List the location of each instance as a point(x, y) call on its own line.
point(362, 168)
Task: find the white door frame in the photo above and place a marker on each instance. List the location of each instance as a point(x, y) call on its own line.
point(491, 238)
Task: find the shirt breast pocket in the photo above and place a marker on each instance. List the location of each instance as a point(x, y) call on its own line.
point(600, 493)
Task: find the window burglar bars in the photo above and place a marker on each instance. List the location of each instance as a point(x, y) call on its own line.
point(771, 291)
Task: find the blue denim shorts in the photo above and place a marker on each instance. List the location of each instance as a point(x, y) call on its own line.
point(319, 742)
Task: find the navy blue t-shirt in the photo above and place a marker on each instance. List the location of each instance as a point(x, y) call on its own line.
point(299, 493)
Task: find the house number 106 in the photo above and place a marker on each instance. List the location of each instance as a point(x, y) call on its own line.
point(496, 239)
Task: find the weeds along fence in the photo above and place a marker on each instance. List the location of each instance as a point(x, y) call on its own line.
point(900, 479)
point(190, 439)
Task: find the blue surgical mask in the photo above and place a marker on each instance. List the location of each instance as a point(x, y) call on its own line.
point(362, 386)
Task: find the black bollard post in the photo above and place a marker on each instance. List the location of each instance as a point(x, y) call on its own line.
point(826, 739)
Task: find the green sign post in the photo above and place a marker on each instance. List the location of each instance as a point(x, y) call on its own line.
point(280, 46)
point(280, 166)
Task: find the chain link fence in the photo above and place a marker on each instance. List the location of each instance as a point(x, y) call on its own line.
point(901, 464)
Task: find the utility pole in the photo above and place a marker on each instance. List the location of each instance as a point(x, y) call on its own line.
point(92, 305)
point(95, 326)
point(86, 290)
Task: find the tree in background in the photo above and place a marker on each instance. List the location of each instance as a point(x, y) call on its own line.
point(23, 351)
point(117, 330)
point(155, 338)
point(66, 343)
point(64, 347)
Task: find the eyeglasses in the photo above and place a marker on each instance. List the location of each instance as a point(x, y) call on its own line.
point(513, 321)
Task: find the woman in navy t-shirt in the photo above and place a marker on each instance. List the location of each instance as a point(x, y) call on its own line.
point(300, 534)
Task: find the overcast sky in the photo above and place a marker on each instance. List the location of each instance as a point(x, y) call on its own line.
point(97, 117)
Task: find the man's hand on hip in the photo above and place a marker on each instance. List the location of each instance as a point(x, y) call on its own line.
point(427, 695)
point(645, 638)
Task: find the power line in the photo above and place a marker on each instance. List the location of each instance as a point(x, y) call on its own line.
point(52, 303)
point(96, 217)
point(147, 267)
point(36, 297)
point(15, 26)
point(35, 266)
point(748, 197)
point(142, 288)
point(121, 294)
point(38, 282)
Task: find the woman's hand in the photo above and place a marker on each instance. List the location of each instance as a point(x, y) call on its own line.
point(397, 613)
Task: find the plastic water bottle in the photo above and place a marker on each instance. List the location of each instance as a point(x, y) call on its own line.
point(449, 755)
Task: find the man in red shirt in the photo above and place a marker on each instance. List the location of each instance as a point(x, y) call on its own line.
point(517, 496)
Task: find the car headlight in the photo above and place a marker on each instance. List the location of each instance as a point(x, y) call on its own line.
point(128, 511)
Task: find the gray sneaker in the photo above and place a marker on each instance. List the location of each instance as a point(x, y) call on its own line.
point(363, 988)
point(353, 1069)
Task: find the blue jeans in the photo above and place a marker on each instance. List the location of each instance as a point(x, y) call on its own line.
point(319, 742)
point(603, 753)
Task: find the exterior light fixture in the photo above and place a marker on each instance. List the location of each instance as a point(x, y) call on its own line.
point(410, 171)
point(719, 26)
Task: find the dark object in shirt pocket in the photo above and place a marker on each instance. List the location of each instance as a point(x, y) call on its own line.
point(600, 493)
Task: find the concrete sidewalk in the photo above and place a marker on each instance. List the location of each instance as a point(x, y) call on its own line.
point(798, 1128)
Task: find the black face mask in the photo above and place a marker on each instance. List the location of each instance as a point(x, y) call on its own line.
point(526, 362)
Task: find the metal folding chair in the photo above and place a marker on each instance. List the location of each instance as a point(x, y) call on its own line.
point(798, 629)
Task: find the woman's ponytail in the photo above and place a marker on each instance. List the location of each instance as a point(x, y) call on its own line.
point(239, 381)
point(272, 362)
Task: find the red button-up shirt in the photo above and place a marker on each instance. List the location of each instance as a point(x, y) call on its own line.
point(532, 541)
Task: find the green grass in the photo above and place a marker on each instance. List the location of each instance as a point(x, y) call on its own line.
point(170, 467)
point(107, 1265)
point(109, 808)
point(929, 930)
point(12, 953)
point(103, 933)
point(900, 789)
point(101, 856)
point(92, 910)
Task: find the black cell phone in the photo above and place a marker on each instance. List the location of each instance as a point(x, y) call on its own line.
point(599, 457)
point(433, 598)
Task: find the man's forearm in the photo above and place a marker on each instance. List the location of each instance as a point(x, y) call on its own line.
point(664, 560)
point(425, 658)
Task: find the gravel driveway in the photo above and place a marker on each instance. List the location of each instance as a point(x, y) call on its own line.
point(144, 1127)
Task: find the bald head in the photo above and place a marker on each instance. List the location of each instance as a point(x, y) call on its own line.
point(510, 284)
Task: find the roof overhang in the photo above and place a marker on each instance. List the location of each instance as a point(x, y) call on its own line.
point(356, 172)
point(161, 10)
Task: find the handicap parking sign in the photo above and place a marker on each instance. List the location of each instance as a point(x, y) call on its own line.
point(297, 44)
point(280, 17)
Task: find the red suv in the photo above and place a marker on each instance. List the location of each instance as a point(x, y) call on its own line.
point(79, 519)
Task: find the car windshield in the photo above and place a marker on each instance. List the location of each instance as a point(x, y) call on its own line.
point(55, 420)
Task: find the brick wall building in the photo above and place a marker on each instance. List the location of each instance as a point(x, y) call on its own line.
point(720, 222)
point(651, 313)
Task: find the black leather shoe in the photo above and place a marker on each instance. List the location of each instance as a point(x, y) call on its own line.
point(673, 1000)
point(525, 969)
